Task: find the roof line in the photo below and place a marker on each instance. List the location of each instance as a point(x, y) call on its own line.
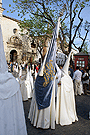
point(11, 18)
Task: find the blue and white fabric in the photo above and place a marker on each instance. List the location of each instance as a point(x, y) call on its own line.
point(44, 84)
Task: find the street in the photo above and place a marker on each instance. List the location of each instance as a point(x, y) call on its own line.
point(82, 127)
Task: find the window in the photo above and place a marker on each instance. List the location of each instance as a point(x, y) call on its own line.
point(80, 63)
point(14, 30)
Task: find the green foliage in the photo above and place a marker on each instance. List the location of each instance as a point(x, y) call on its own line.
point(85, 48)
point(86, 0)
point(9, 5)
point(43, 16)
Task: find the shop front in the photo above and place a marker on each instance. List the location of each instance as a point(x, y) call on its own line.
point(81, 60)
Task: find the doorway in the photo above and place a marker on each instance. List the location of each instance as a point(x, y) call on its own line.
point(13, 56)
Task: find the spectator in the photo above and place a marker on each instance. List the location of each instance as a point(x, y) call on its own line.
point(82, 70)
point(77, 77)
point(87, 69)
point(39, 65)
point(34, 67)
point(85, 81)
point(71, 71)
point(11, 67)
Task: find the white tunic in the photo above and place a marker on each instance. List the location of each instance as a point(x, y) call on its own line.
point(65, 107)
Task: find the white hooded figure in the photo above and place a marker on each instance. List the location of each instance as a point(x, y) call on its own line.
point(16, 74)
point(20, 71)
point(57, 78)
point(23, 87)
point(45, 117)
point(12, 120)
point(28, 84)
point(31, 79)
point(65, 105)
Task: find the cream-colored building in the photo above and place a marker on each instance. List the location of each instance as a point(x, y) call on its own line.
point(17, 48)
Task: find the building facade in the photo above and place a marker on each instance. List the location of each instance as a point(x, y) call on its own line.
point(17, 48)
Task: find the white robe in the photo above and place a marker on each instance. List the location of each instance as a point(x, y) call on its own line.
point(23, 90)
point(65, 106)
point(44, 118)
point(12, 120)
point(28, 84)
point(57, 78)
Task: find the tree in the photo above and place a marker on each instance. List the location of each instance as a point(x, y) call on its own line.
point(38, 30)
point(43, 15)
point(85, 48)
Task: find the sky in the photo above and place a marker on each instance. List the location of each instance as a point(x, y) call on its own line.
point(5, 5)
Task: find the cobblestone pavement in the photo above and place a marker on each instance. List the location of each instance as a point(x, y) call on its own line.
point(82, 127)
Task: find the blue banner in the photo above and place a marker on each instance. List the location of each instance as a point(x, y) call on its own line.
point(44, 84)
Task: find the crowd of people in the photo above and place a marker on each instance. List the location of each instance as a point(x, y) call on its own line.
point(80, 78)
point(14, 67)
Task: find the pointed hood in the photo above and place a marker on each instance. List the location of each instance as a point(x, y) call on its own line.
point(66, 65)
point(55, 36)
point(3, 63)
point(8, 84)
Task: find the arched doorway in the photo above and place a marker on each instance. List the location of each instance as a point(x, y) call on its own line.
point(13, 55)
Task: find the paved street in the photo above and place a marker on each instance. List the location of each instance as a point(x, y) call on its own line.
point(82, 127)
